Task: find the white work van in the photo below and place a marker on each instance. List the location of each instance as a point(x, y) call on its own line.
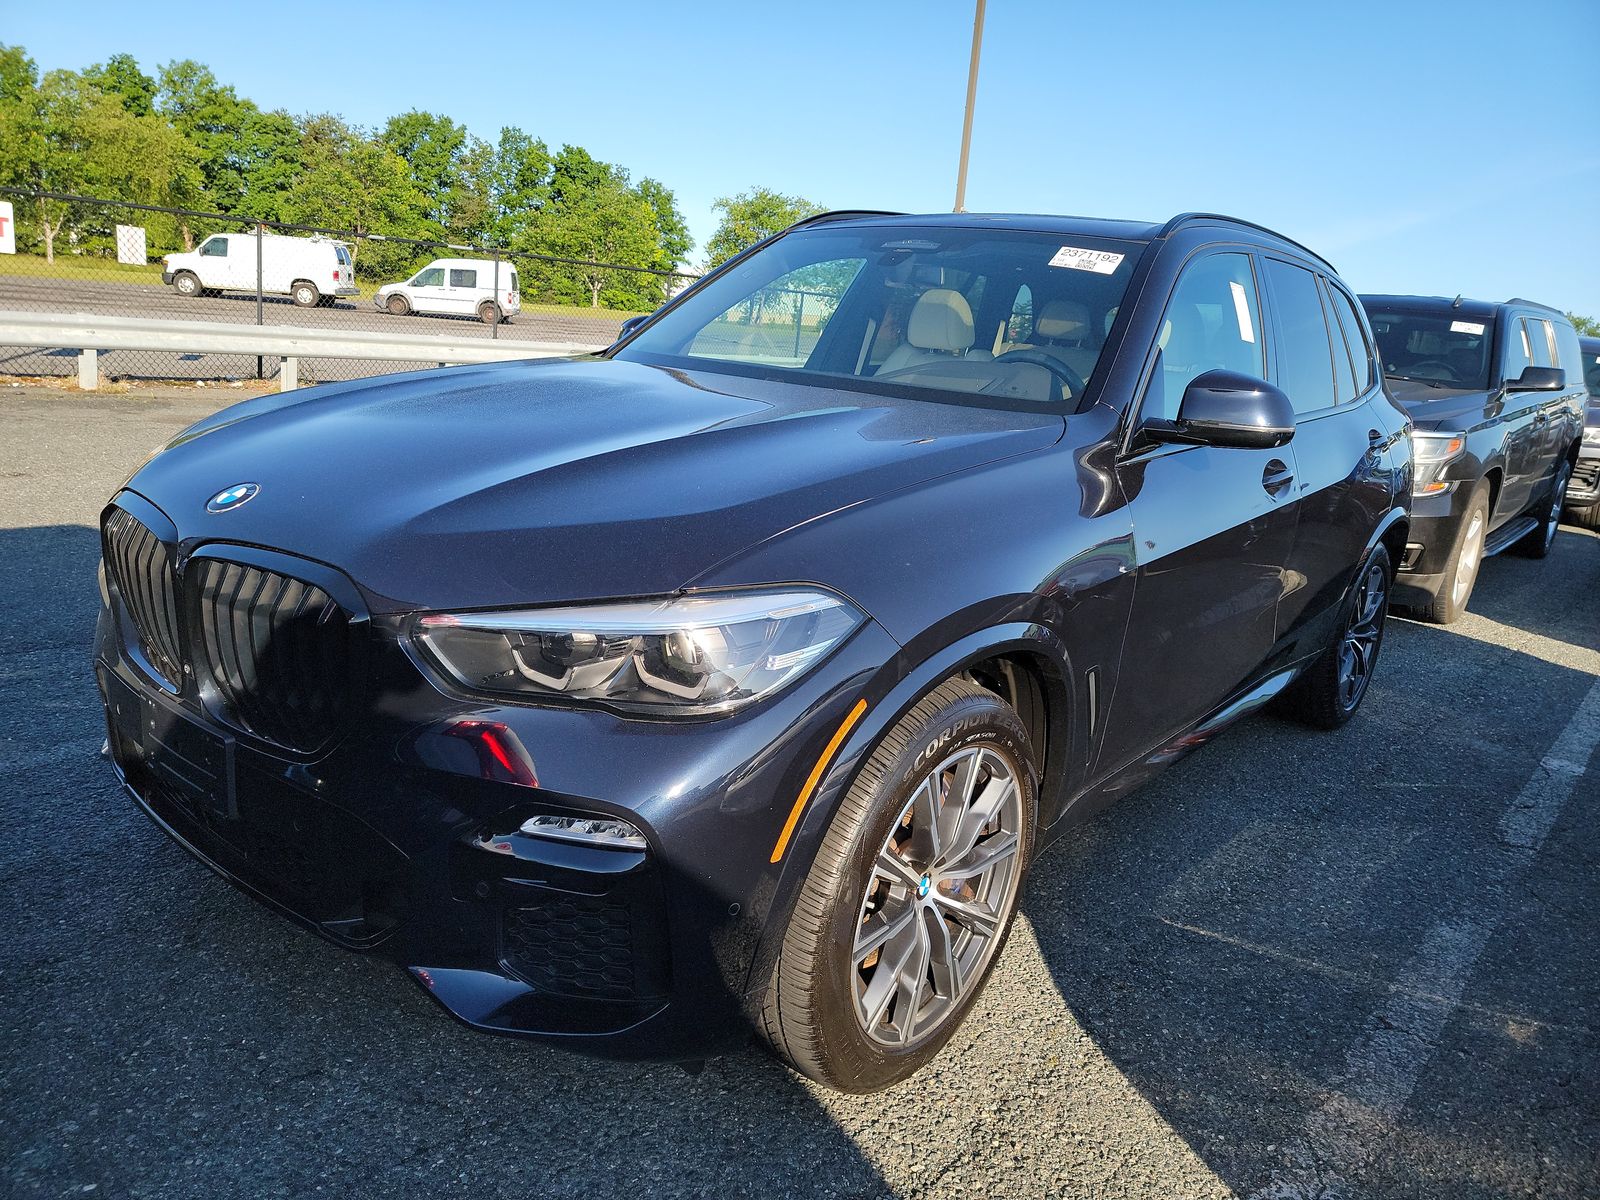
point(311, 270)
point(459, 287)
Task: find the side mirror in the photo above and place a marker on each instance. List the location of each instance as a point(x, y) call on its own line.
point(1538, 379)
point(1228, 408)
point(631, 324)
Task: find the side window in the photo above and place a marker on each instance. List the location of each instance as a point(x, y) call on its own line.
point(460, 278)
point(1355, 338)
point(514, 282)
point(1543, 336)
point(1212, 321)
point(432, 277)
point(1518, 349)
point(216, 247)
point(1344, 378)
point(1305, 356)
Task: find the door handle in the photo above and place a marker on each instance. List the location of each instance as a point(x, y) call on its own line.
point(1277, 477)
point(1541, 419)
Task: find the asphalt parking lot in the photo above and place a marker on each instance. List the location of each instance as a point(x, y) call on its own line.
point(1352, 964)
point(353, 315)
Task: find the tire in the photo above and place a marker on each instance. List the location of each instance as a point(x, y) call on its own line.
point(1455, 589)
point(187, 285)
point(489, 312)
point(397, 305)
point(1332, 688)
point(814, 1013)
point(1588, 516)
point(305, 294)
point(1539, 543)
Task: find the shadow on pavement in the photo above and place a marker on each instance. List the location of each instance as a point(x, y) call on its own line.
point(1228, 933)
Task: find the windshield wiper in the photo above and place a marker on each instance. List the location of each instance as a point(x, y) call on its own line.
point(1433, 383)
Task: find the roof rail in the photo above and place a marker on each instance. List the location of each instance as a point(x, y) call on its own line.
point(1535, 304)
point(843, 214)
point(1183, 219)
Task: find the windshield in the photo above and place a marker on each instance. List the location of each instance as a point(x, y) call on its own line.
point(1439, 348)
point(980, 316)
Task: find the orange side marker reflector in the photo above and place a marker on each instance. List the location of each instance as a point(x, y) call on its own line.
point(815, 777)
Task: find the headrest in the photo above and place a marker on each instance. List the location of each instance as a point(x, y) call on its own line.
point(1062, 320)
point(941, 319)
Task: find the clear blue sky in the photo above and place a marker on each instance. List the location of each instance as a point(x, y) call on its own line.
point(1435, 147)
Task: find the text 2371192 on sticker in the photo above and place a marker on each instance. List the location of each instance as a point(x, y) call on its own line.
point(1101, 262)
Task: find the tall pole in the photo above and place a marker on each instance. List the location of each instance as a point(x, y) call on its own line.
point(972, 96)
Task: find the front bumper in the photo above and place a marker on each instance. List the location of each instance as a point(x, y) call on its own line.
point(391, 841)
point(1435, 527)
point(167, 276)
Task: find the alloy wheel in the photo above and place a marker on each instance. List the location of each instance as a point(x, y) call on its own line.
point(1558, 494)
point(940, 893)
point(1363, 635)
point(1470, 559)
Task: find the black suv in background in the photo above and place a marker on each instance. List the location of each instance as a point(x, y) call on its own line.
point(1496, 395)
point(731, 678)
point(1583, 492)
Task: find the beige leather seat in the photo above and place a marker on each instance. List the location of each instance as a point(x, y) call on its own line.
point(940, 328)
point(1062, 331)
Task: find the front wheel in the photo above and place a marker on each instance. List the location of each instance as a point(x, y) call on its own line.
point(911, 896)
point(187, 284)
point(1332, 688)
point(397, 305)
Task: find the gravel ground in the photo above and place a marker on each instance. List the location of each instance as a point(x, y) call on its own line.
point(1295, 965)
point(31, 294)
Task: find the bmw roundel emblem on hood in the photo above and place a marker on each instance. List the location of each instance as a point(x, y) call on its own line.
point(232, 497)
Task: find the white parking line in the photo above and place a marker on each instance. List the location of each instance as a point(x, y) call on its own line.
point(1382, 1068)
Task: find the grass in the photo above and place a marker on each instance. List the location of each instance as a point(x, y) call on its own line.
point(75, 266)
point(105, 270)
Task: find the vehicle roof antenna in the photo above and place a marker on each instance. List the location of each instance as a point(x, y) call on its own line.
point(1456, 303)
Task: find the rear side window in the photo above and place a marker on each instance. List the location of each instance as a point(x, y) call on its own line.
point(461, 278)
point(514, 281)
point(1344, 378)
point(217, 247)
point(1543, 336)
point(1518, 351)
point(1355, 337)
point(1305, 356)
point(1213, 322)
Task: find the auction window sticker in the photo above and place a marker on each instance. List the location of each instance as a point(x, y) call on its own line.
point(1080, 258)
point(1472, 327)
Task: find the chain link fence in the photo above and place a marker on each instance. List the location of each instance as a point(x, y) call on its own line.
point(77, 254)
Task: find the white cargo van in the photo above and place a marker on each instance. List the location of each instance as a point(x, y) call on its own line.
point(462, 287)
point(312, 270)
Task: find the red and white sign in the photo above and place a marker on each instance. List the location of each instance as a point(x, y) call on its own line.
point(8, 229)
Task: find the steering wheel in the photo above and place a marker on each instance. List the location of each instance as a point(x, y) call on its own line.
point(1436, 365)
point(1049, 362)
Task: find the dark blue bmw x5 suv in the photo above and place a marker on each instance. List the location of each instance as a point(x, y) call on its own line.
point(731, 679)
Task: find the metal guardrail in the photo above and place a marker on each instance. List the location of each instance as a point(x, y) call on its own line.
point(88, 334)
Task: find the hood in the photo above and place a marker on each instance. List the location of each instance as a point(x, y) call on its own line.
point(555, 480)
point(1434, 408)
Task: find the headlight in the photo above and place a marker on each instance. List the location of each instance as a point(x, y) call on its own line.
point(1431, 454)
point(1591, 435)
point(687, 654)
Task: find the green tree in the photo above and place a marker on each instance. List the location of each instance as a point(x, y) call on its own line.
point(433, 147)
point(67, 136)
point(18, 74)
point(671, 228)
point(609, 224)
point(352, 182)
point(521, 184)
point(752, 216)
point(121, 77)
point(1586, 326)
